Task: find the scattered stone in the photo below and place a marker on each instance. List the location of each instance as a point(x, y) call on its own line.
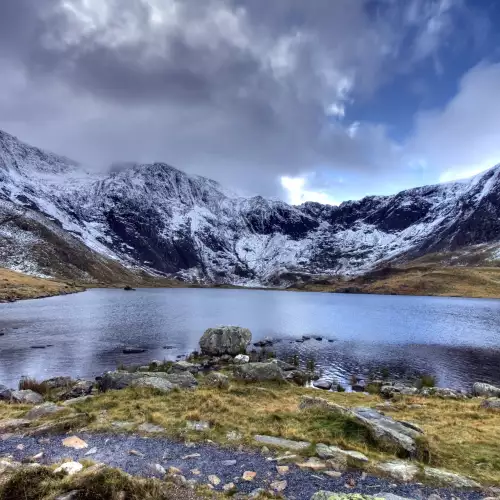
point(487, 390)
point(333, 474)
point(241, 359)
point(491, 404)
point(215, 480)
point(287, 444)
point(20, 447)
point(258, 372)
point(190, 457)
point(195, 472)
point(60, 425)
point(216, 379)
point(449, 478)
point(75, 401)
point(136, 453)
point(160, 469)
point(443, 393)
point(69, 468)
point(92, 451)
point(43, 410)
point(229, 487)
point(199, 426)
point(340, 455)
point(232, 340)
point(75, 443)
point(150, 428)
point(174, 471)
point(279, 486)
point(26, 397)
point(282, 469)
point(389, 391)
point(265, 450)
point(38, 456)
point(323, 384)
point(399, 469)
point(248, 475)
point(313, 463)
point(228, 463)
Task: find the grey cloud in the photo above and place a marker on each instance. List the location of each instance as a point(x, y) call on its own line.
point(232, 89)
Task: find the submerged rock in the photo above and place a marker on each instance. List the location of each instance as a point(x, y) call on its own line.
point(133, 350)
point(230, 340)
point(258, 372)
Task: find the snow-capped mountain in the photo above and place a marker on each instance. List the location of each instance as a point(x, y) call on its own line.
point(156, 218)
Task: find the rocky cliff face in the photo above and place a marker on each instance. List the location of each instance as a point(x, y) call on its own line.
point(157, 218)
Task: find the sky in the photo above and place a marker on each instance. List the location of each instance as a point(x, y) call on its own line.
point(320, 100)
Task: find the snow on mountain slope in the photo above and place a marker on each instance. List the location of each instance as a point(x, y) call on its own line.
point(157, 218)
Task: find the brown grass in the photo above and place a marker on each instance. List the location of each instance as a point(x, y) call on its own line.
point(16, 286)
point(33, 385)
point(428, 279)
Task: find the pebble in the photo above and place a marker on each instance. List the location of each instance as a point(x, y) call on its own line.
point(229, 487)
point(136, 453)
point(160, 469)
point(70, 468)
point(248, 475)
point(195, 472)
point(215, 480)
point(279, 486)
point(174, 471)
point(74, 442)
point(189, 457)
point(282, 469)
point(228, 463)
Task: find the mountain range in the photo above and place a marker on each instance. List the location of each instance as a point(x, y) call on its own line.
point(58, 219)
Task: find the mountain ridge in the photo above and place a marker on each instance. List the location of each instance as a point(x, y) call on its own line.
point(159, 220)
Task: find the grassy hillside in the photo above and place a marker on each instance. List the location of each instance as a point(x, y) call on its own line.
point(417, 279)
point(15, 286)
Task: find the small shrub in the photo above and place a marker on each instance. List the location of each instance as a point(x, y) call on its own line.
point(311, 364)
point(32, 384)
point(295, 360)
point(427, 381)
point(385, 372)
point(340, 388)
point(372, 388)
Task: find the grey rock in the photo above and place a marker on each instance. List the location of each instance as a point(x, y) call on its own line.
point(487, 390)
point(385, 431)
point(258, 372)
point(77, 389)
point(388, 391)
point(133, 350)
point(71, 495)
point(286, 444)
point(228, 463)
point(58, 382)
point(75, 401)
point(215, 379)
point(449, 478)
point(443, 393)
point(26, 397)
point(92, 451)
point(117, 380)
point(323, 384)
point(399, 469)
point(42, 410)
point(340, 455)
point(184, 366)
point(299, 377)
point(241, 359)
point(231, 340)
point(157, 383)
point(150, 428)
point(491, 404)
point(5, 393)
point(286, 367)
point(13, 424)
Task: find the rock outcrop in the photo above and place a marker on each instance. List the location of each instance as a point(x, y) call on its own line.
point(117, 380)
point(232, 340)
point(486, 390)
point(258, 372)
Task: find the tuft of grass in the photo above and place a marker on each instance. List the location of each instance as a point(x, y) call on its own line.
point(426, 381)
point(105, 484)
point(27, 383)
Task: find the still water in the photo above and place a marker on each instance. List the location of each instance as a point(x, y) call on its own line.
point(457, 340)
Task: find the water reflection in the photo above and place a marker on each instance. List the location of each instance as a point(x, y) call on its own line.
point(457, 340)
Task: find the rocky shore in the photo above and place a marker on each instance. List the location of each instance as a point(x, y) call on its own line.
point(292, 440)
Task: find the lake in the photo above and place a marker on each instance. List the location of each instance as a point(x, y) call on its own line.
point(456, 340)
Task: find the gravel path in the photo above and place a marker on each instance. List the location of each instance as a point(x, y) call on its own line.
point(114, 450)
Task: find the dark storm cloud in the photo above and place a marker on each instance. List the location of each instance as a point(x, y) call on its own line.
point(237, 90)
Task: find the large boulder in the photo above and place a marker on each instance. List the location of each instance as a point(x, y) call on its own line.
point(5, 393)
point(216, 379)
point(230, 340)
point(258, 372)
point(76, 389)
point(120, 380)
point(160, 384)
point(487, 390)
point(402, 437)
